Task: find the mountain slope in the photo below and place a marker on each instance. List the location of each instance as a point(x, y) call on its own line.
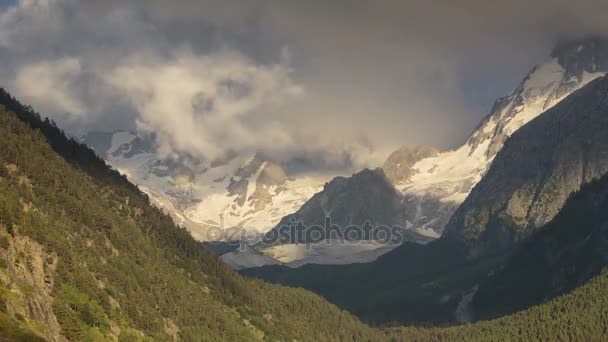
point(566, 252)
point(537, 170)
point(436, 186)
point(577, 316)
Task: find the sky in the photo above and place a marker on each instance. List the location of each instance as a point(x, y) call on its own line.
point(337, 83)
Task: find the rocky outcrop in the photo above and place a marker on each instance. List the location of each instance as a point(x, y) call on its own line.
point(269, 183)
point(257, 183)
point(398, 167)
point(26, 283)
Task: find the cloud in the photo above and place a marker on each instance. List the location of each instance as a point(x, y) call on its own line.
point(50, 85)
point(207, 104)
point(359, 78)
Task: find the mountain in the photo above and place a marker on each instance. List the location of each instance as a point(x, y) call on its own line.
point(366, 196)
point(536, 171)
point(528, 183)
point(219, 199)
point(439, 282)
point(337, 214)
point(85, 256)
point(435, 186)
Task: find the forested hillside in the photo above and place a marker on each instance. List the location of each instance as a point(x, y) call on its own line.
point(84, 257)
point(85, 249)
point(579, 316)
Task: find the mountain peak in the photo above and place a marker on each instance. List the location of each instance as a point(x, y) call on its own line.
point(584, 55)
point(434, 186)
point(571, 65)
point(533, 175)
point(566, 47)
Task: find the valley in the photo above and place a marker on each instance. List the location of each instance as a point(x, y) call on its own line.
point(293, 171)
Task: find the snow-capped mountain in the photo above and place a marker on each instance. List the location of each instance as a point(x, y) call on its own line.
point(219, 199)
point(434, 187)
point(535, 173)
point(434, 184)
point(367, 197)
point(251, 193)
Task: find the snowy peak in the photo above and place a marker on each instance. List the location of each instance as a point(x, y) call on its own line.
point(590, 55)
point(536, 172)
point(233, 193)
point(570, 67)
point(119, 144)
point(433, 184)
point(366, 197)
point(436, 185)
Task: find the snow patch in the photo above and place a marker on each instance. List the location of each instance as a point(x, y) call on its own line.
point(296, 255)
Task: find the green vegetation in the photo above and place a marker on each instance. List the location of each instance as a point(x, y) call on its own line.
point(12, 329)
point(413, 284)
point(121, 270)
point(124, 269)
point(579, 316)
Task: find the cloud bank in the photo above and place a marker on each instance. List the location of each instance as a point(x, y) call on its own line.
point(202, 104)
point(335, 84)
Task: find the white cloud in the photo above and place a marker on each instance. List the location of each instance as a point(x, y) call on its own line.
point(207, 104)
point(49, 85)
point(209, 75)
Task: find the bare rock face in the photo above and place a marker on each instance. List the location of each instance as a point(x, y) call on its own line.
point(270, 182)
point(268, 177)
point(27, 274)
point(539, 167)
point(398, 166)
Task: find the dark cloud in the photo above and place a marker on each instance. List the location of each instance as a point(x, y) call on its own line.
point(334, 81)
